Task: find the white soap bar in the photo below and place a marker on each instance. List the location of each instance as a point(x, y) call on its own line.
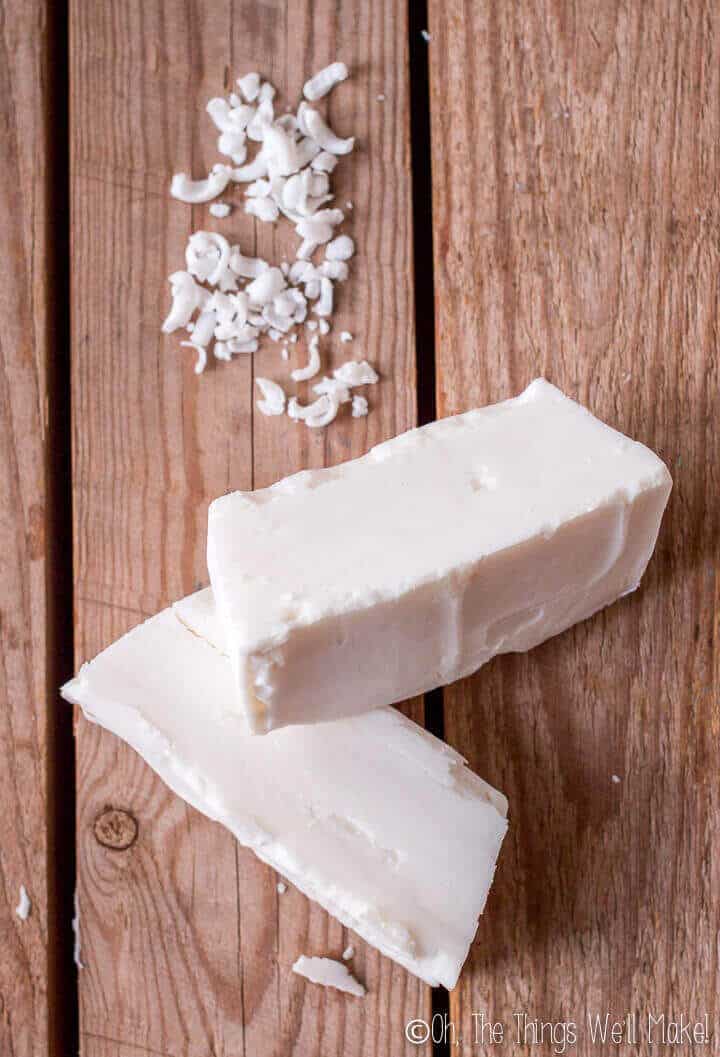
point(347, 588)
point(375, 819)
point(329, 973)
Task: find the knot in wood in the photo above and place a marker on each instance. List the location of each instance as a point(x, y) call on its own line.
point(115, 829)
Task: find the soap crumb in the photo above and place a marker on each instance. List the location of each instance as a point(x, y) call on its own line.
point(220, 209)
point(76, 932)
point(348, 953)
point(616, 779)
point(24, 906)
point(425, 36)
point(329, 973)
point(349, 205)
point(281, 887)
point(345, 335)
point(359, 406)
point(381, 98)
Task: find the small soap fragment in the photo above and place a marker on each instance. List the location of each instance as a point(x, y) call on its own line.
point(249, 86)
point(192, 191)
point(356, 372)
point(281, 888)
point(24, 906)
point(323, 81)
point(329, 973)
point(273, 401)
point(348, 953)
point(350, 813)
point(534, 516)
point(76, 932)
point(359, 406)
point(220, 209)
point(616, 779)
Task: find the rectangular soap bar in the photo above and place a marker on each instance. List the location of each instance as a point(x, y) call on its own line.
point(347, 588)
point(371, 816)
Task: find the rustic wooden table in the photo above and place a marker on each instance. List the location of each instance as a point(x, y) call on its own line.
point(546, 201)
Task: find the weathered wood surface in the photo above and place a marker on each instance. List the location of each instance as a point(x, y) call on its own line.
point(575, 163)
point(25, 731)
point(186, 942)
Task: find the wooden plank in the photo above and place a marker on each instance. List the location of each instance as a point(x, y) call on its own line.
point(186, 941)
point(575, 162)
point(27, 697)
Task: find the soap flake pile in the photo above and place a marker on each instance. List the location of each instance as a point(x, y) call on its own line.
point(226, 301)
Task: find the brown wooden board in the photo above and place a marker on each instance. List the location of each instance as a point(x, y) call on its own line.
point(186, 943)
point(27, 697)
point(575, 163)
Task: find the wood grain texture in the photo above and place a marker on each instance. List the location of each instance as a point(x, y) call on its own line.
point(186, 941)
point(24, 571)
point(575, 161)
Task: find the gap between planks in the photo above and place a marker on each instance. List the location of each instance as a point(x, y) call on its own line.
point(424, 283)
point(62, 983)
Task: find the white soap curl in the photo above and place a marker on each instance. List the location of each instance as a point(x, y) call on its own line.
point(201, 362)
point(306, 249)
point(187, 297)
point(219, 111)
point(185, 189)
point(273, 402)
point(246, 267)
point(254, 170)
point(324, 304)
point(249, 86)
point(267, 286)
point(329, 973)
point(356, 372)
point(263, 208)
point(338, 271)
point(258, 188)
point(359, 406)
point(323, 135)
point(316, 415)
point(261, 121)
point(234, 145)
point(207, 256)
point(320, 227)
point(324, 161)
point(324, 81)
point(304, 374)
point(341, 248)
point(280, 150)
point(204, 328)
point(333, 387)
